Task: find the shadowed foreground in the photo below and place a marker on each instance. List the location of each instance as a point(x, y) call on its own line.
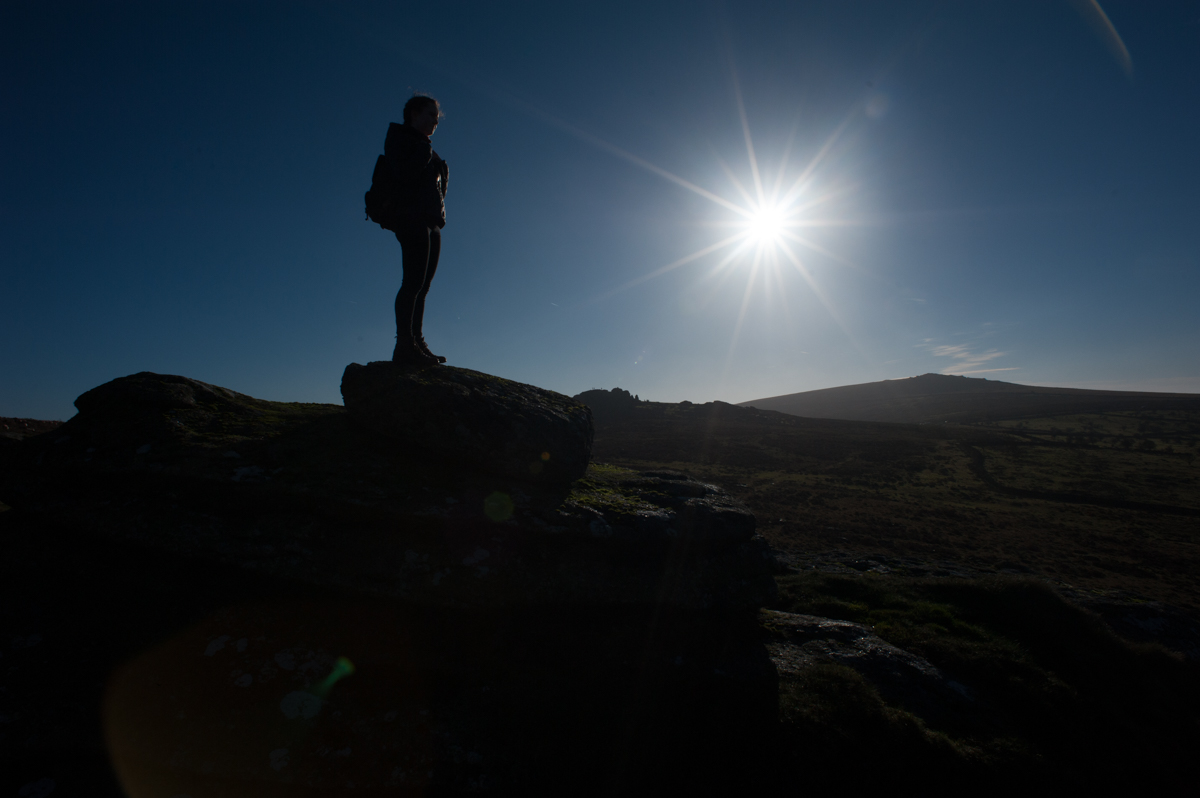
point(239, 597)
point(224, 596)
point(1042, 569)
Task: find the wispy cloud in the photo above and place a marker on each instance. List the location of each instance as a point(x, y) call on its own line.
point(965, 361)
point(982, 371)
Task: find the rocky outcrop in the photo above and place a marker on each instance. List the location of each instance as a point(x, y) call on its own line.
point(472, 420)
point(608, 406)
point(496, 633)
point(303, 491)
point(796, 642)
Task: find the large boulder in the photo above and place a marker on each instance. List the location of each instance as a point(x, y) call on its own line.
point(301, 491)
point(473, 419)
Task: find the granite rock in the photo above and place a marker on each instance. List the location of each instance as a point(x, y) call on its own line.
point(796, 642)
point(300, 491)
point(507, 636)
point(472, 419)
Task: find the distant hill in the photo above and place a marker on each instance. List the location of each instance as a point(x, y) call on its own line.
point(609, 405)
point(932, 398)
point(16, 429)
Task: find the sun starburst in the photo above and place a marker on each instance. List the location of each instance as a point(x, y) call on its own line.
point(766, 224)
point(770, 221)
point(765, 215)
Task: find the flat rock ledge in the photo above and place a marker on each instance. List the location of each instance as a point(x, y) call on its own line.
point(472, 419)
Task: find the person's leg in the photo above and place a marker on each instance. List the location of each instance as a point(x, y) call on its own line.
point(414, 244)
point(418, 316)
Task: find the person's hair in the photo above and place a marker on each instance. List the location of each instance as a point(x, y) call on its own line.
point(418, 103)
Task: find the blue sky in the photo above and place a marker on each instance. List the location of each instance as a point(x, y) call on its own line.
point(988, 188)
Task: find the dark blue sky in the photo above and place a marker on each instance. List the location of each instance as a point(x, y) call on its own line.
point(182, 193)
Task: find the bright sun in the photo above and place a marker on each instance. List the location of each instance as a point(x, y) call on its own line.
point(766, 224)
point(769, 215)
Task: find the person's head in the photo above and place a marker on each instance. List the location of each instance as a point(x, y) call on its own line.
point(422, 112)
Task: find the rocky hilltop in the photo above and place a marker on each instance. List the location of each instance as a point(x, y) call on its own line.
point(443, 524)
point(463, 417)
point(434, 590)
point(447, 487)
point(614, 405)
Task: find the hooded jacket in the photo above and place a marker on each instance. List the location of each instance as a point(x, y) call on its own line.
point(420, 176)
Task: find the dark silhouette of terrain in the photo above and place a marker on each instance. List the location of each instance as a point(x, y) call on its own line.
point(182, 564)
point(932, 398)
point(1044, 564)
point(990, 604)
point(613, 404)
point(16, 429)
point(1103, 501)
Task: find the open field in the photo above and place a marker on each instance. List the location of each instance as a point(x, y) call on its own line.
point(985, 549)
point(1105, 502)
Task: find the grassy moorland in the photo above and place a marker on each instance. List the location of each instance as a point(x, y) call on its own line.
point(1100, 501)
point(977, 547)
point(1050, 695)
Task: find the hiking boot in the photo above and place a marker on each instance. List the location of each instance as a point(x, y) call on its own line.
point(424, 347)
point(409, 354)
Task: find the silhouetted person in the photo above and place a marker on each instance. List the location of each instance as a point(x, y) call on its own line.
point(421, 178)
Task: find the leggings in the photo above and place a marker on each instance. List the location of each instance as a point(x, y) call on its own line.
point(421, 246)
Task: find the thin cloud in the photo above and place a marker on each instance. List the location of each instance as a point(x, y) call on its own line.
point(987, 371)
point(965, 361)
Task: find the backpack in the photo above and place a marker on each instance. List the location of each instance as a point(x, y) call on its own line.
point(381, 197)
